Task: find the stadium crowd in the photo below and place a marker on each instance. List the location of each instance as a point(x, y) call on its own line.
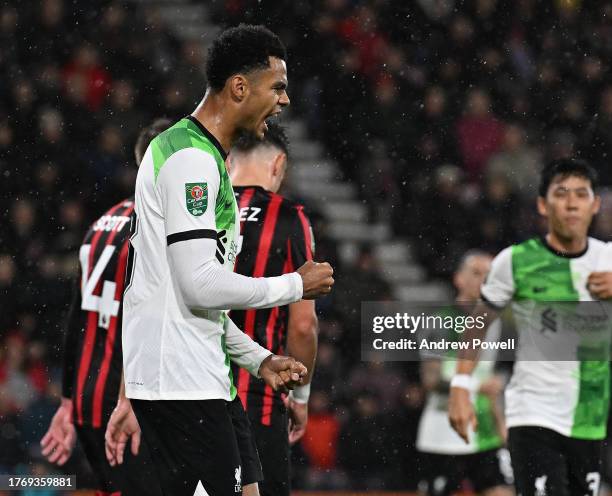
point(427, 107)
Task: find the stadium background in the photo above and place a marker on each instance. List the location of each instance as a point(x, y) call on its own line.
point(417, 128)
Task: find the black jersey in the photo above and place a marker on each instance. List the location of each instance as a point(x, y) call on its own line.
point(92, 356)
point(276, 239)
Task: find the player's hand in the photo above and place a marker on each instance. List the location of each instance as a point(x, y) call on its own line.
point(461, 412)
point(282, 373)
point(316, 278)
point(58, 442)
point(298, 418)
point(599, 285)
point(122, 426)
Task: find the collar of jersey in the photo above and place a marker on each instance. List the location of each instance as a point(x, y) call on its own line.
point(564, 254)
point(208, 135)
point(254, 186)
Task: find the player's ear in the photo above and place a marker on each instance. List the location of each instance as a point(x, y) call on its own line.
point(279, 164)
point(542, 206)
point(457, 280)
point(596, 204)
point(239, 87)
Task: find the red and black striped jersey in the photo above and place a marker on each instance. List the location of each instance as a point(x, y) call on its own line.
point(276, 239)
point(92, 355)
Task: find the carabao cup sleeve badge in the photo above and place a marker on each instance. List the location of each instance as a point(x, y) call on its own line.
point(196, 198)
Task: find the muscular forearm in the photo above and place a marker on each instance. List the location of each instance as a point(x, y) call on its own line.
point(204, 284)
point(303, 347)
point(302, 334)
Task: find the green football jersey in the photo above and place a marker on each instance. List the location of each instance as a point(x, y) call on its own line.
point(561, 379)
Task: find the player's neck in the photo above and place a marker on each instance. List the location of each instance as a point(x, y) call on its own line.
point(566, 245)
point(241, 181)
point(217, 119)
point(249, 174)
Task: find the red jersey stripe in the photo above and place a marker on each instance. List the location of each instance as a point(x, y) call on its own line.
point(92, 326)
point(263, 253)
point(112, 329)
point(306, 228)
point(266, 411)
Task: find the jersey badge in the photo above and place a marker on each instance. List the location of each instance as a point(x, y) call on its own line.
point(196, 198)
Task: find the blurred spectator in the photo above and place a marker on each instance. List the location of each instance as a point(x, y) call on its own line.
point(444, 225)
point(377, 378)
point(320, 442)
point(11, 450)
point(15, 380)
point(435, 144)
point(328, 377)
point(602, 228)
point(496, 215)
point(364, 284)
point(518, 162)
point(8, 292)
point(123, 114)
point(85, 75)
point(479, 133)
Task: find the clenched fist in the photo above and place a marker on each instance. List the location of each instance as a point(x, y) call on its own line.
point(282, 372)
point(316, 278)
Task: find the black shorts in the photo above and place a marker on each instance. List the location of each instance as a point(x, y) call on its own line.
point(249, 456)
point(132, 478)
point(193, 446)
point(273, 445)
point(484, 470)
point(546, 462)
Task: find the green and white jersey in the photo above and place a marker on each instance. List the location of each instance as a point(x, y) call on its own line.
point(561, 375)
point(435, 435)
point(177, 337)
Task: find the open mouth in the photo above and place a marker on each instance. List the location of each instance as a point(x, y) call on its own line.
point(272, 117)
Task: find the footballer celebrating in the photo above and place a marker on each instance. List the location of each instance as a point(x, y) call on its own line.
point(556, 409)
point(178, 339)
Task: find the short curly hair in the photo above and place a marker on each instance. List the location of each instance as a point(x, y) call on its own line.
point(241, 49)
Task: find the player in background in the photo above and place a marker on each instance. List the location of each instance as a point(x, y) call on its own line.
point(128, 474)
point(276, 238)
point(92, 350)
point(556, 410)
point(449, 460)
point(178, 339)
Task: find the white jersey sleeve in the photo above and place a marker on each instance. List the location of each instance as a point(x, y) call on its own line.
point(187, 186)
point(243, 351)
point(498, 288)
point(191, 233)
